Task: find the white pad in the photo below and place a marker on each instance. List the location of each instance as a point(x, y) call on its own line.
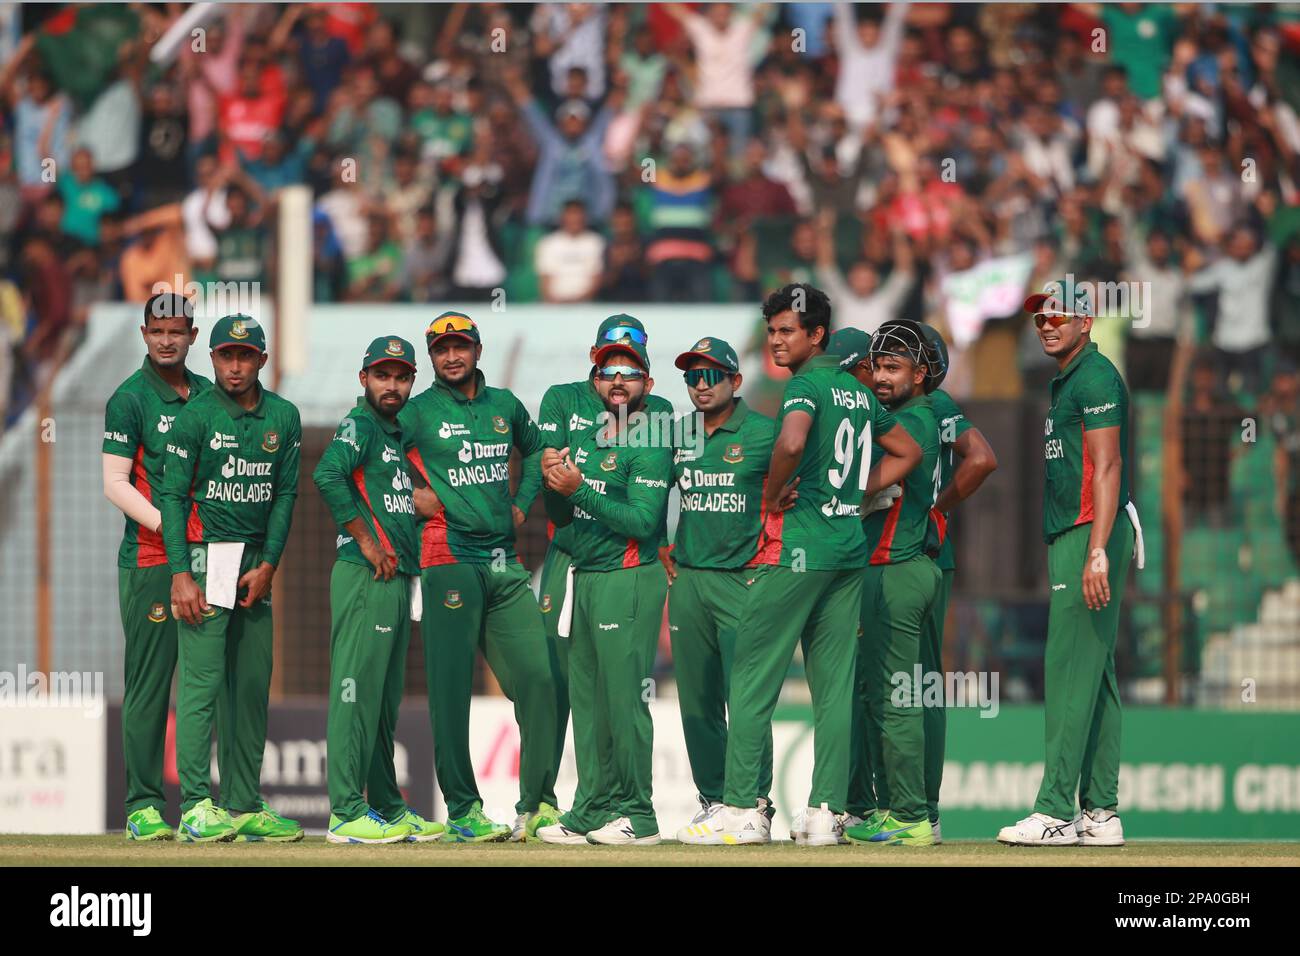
point(1139, 548)
point(417, 599)
point(565, 623)
point(224, 558)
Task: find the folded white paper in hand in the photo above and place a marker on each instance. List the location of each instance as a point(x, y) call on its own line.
point(884, 499)
point(565, 623)
point(224, 558)
point(1139, 548)
point(417, 599)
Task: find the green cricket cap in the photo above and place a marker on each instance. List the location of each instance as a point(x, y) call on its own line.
point(239, 330)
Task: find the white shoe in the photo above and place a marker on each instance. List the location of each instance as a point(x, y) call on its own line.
point(559, 833)
point(520, 828)
point(847, 820)
point(705, 828)
point(797, 826)
point(821, 828)
point(1099, 828)
point(620, 833)
point(1038, 829)
point(938, 834)
point(742, 826)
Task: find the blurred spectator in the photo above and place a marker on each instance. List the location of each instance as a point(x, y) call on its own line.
point(41, 123)
point(1154, 268)
point(1211, 439)
point(279, 165)
point(1286, 301)
point(1243, 280)
point(624, 278)
point(394, 74)
point(322, 58)
point(346, 204)
point(329, 269)
point(243, 246)
point(863, 301)
point(159, 173)
point(424, 262)
point(570, 260)
point(1283, 403)
point(645, 67)
point(211, 73)
point(867, 50)
point(409, 191)
point(376, 276)
point(248, 116)
point(566, 35)
point(204, 210)
point(86, 197)
point(678, 210)
point(478, 266)
point(156, 253)
point(446, 134)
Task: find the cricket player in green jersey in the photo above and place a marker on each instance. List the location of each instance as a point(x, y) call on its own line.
point(810, 595)
point(476, 594)
point(1090, 541)
point(567, 409)
point(611, 483)
point(899, 587)
point(965, 460)
point(137, 422)
point(229, 486)
point(720, 478)
point(363, 478)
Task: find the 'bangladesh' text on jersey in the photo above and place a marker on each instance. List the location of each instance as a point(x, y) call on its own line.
point(231, 475)
point(900, 532)
point(461, 448)
point(363, 473)
point(722, 494)
point(823, 531)
point(1087, 394)
point(138, 421)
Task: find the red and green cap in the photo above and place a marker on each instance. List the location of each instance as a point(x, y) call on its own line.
point(1061, 297)
point(621, 328)
point(241, 330)
point(714, 350)
point(451, 323)
point(634, 349)
point(389, 348)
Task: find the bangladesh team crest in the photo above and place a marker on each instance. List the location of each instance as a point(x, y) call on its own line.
point(499, 425)
point(271, 442)
point(610, 462)
point(546, 603)
point(394, 347)
point(238, 330)
point(734, 454)
point(157, 613)
point(703, 345)
point(452, 600)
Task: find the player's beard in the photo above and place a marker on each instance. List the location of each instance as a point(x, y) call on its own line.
point(373, 401)
point(467, 375)
point(633, 404)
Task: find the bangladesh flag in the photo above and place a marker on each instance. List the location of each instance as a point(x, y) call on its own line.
point(79, 47)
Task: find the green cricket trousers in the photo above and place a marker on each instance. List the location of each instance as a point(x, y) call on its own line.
point(144, 600)
point(815, 609)
point(1080, 692)
point(370, 629)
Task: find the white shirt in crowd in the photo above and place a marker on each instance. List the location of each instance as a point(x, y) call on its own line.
point(570, 264)
point(201, 212)
point(724, 72)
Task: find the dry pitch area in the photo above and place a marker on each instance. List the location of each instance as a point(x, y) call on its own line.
point(113, 850)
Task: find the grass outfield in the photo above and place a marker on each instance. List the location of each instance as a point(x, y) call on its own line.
point(113, 850)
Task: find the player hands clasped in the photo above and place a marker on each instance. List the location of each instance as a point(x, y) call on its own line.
point(229, 487)
point(476, 594)
point(1089, 546)
point(614, 493)
point(810, 595)
point(374, 586)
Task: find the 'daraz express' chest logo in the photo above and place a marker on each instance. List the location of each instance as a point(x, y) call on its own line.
point(165, 423)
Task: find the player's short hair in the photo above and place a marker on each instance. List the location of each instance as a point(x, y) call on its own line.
point(169, 305)
point(816, 304)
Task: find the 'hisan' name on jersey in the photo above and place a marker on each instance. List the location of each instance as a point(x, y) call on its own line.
point(473, 473)
point(241, 492)
point(850, 398)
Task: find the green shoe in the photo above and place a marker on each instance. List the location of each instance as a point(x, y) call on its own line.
point(422, 830)
point(147, 824)
point(475, 827)
point(864, 831)
point(896, 832)
point(266, 826)
point(544, 816)
point(283, 821)
point(205, 823)
point(370, 827)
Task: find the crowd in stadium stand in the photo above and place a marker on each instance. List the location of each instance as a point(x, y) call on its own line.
point(673, 153)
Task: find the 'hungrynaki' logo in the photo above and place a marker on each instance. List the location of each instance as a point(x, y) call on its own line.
point(158, 613)
point(237, 330)
point(546, 603)
point(394, 348)
point(610, 462)
point(499, 425)
point(734, 455)
point(703, 345)
point(271, 442)
point(452, 600)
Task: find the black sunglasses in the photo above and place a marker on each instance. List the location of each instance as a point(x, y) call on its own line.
point(708, 376)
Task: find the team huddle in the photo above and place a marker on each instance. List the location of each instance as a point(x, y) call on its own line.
point(825, 529)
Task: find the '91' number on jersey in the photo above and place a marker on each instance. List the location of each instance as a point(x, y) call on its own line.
point(844, 454)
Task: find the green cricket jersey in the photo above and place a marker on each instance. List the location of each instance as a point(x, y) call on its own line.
point(137, 421)
point(363, 474)
point(1087, 394)
point(567, 409)
point(461, 447)
point(231, 475)
point(899, 533)
point(619, 512)
point(823, 531)
point(952, 425)
point(722, 493)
